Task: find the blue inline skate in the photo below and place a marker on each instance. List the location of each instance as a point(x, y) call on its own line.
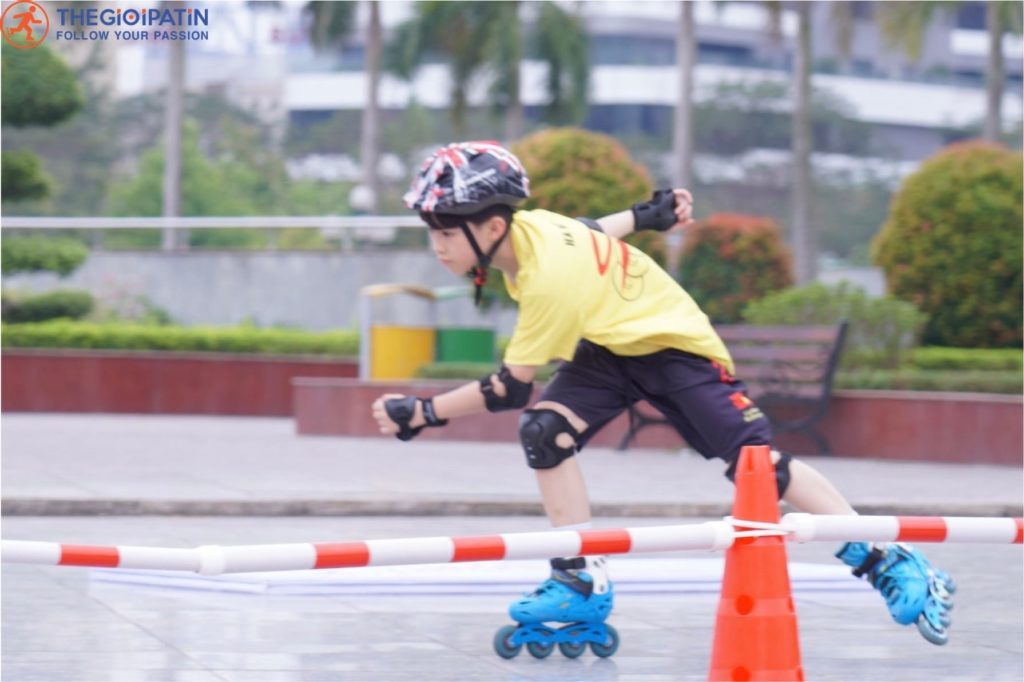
point(579, 594)
point(913, 590)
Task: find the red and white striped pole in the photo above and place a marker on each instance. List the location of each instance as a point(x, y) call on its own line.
point(216, 559)
point(712, 535)
point(966, 529)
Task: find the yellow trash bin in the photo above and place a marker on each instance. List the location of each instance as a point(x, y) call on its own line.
point(397, 352)
point(390, 351)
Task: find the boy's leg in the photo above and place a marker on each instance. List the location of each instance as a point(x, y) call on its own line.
point(811, 492)
point(580, 399)
point(716, 417)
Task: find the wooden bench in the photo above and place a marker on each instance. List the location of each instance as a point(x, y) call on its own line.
point(788, 370)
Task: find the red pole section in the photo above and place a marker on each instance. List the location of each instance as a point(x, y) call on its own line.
point(956, 529)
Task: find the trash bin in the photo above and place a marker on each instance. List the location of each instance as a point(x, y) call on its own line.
point(472, 343)
point(399, 351)
point(391, 351)
point(465, 345)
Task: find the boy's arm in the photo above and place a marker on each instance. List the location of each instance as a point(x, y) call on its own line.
point(465, 400)
point(651, 215)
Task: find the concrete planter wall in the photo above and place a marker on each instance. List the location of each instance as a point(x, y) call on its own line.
point(327, 399)
point(158, 382)
point(947, 427)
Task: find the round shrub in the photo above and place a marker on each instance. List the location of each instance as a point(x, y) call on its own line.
point(952, 245)
point(730, 259)
point(579, 173)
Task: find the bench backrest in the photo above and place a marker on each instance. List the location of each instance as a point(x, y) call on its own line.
point(785, 362)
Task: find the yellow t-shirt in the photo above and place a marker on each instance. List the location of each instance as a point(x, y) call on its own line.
point(574, 282)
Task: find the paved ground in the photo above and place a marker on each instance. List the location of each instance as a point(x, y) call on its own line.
point(72, 624)
point(82, 464)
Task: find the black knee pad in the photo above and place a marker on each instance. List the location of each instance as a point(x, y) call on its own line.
point(781, 472)
point(538, 430)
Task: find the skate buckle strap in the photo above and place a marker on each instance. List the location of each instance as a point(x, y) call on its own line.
point(870, 561)
point(574, 564)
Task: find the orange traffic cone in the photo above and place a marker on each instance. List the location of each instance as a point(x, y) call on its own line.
point(756, 633)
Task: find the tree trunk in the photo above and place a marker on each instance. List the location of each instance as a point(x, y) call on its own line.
point(514, 116)
point(682, 138)
point(173, 115)
point(804, 242)
point(370, 143)
point(994, 73)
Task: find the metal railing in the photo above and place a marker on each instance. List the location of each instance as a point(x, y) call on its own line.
point(349, 230)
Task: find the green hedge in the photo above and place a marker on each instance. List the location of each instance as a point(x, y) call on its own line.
point(978, 381)
point(471, 370)
point(68, 334)
point(66, 303)
point(983, 359)
point(39, 254)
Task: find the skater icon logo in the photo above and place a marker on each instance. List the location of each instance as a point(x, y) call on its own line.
point(25, 25)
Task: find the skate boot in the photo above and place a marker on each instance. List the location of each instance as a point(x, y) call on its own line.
point(579, 594)
point(913, 590)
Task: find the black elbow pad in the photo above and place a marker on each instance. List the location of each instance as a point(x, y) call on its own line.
point(517, 393)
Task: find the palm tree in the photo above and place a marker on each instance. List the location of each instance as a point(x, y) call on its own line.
point(803, 235)
point(485, 37)
point(682, 129)
point(805, 242)
point(173, 120)
point(332, 24)
point(904, 25)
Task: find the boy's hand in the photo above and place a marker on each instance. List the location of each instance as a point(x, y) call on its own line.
point(683, 208)
point(404, 416)
point(388, 426)
point(666, 210)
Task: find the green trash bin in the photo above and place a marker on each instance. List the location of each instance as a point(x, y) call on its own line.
point(465, 344)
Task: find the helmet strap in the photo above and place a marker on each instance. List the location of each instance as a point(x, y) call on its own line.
point(483, 260)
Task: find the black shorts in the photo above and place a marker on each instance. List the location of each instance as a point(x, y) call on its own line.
point(708, 406)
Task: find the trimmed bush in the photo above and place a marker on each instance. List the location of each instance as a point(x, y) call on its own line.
point(471, 370)
point(881, 333)
point(68, 334)
point(579, 173)
point(38, 254)
point(968, 359)
point(931, 380)
point(952, 245)
point(731, 259)
point(51, 305)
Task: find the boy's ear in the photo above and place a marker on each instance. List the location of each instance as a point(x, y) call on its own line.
point(496, 225)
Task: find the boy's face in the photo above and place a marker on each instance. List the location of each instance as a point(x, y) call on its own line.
point(454, 251)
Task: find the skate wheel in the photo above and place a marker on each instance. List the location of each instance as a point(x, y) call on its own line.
point(539, 649)
point(609, 647)
point(503, 645)
point(572, 649)
point(929, 632)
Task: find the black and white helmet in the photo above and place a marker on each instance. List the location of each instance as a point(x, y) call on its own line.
point(467, 177)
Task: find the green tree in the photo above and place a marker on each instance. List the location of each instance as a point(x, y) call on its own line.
point(476, 37)
point(904, 25)
point(332, 24)
point(38, 89)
